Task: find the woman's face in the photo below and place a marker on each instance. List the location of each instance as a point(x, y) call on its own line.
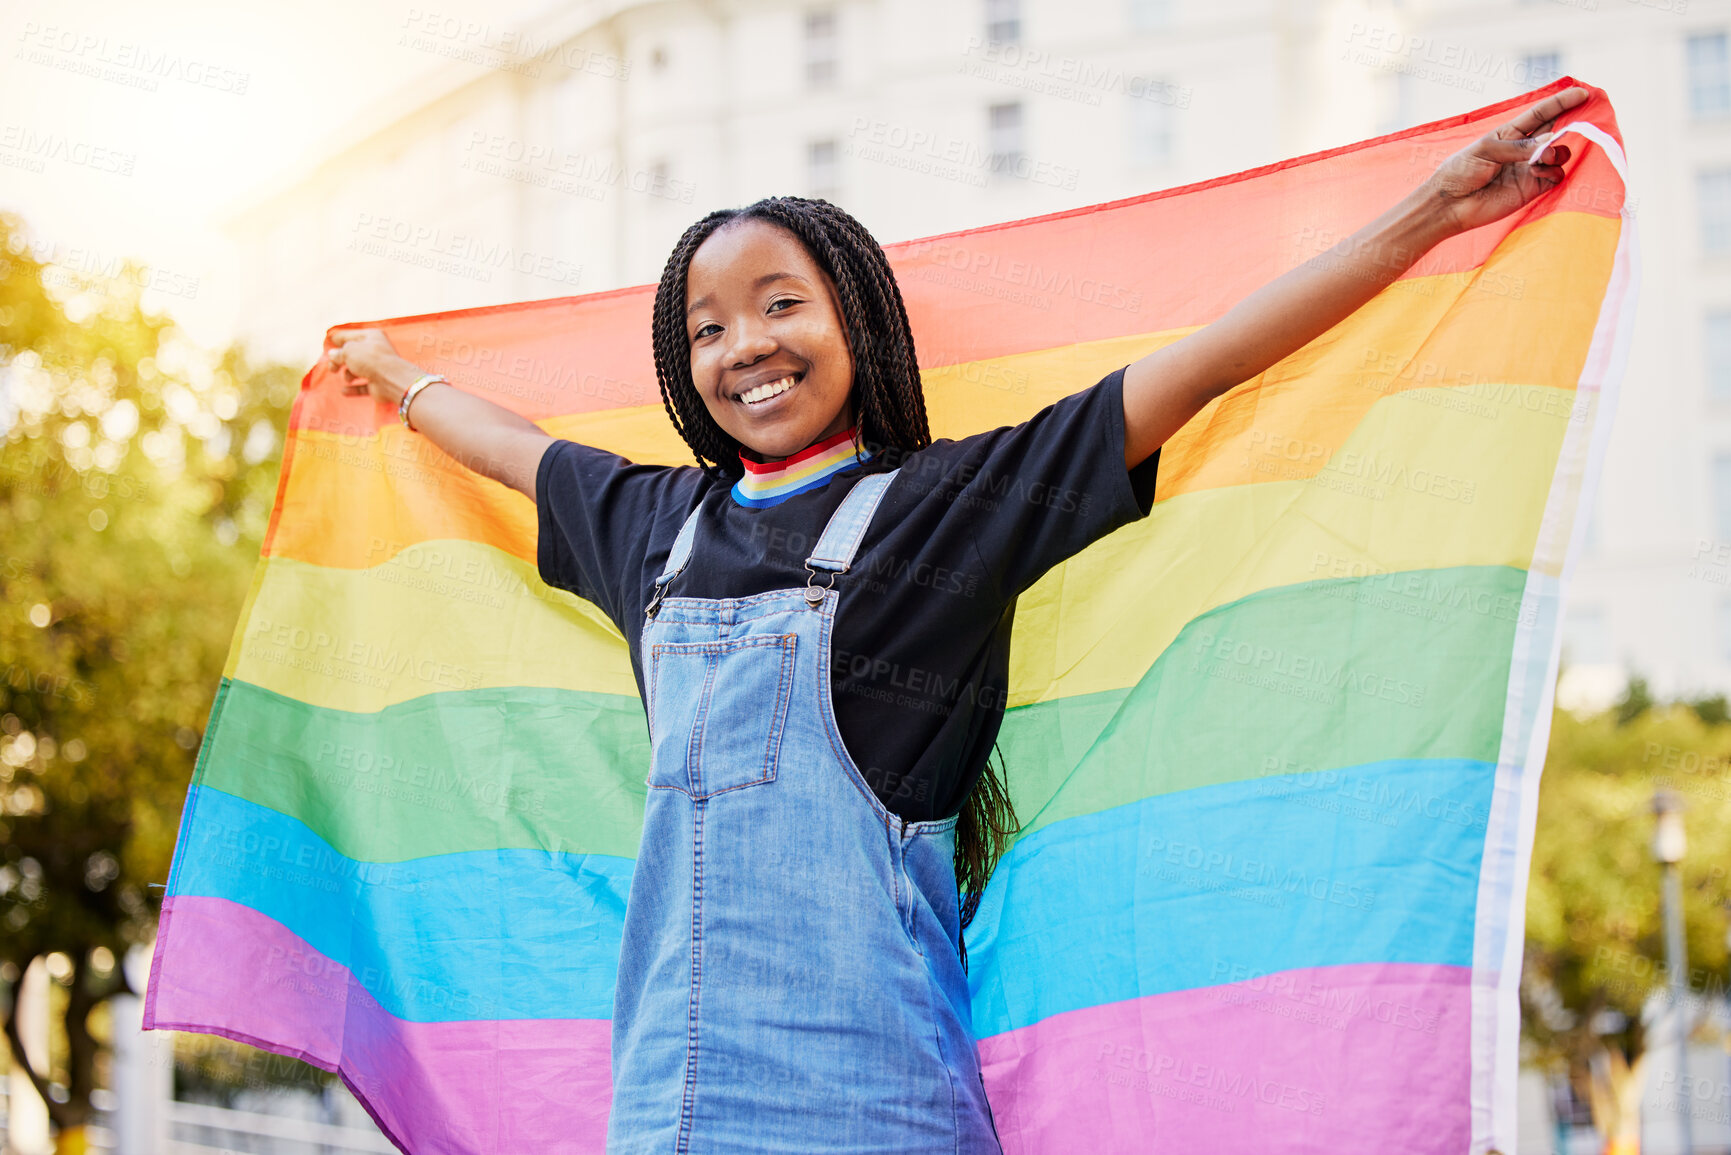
point(769, 355)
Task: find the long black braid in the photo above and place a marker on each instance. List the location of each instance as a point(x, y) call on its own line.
point(889, 407)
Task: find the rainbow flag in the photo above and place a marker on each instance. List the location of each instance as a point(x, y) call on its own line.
point(1276, 746)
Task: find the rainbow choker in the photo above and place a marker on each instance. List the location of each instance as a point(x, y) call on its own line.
point(768, 483)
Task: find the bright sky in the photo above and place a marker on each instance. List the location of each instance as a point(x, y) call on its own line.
point(132, 130)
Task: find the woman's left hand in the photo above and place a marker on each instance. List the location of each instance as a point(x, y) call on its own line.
point(1506, 169)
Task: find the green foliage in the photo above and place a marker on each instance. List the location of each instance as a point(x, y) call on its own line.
point(136, 479)
point(1637, 699)
point(1595, 939)
point(1714, 711)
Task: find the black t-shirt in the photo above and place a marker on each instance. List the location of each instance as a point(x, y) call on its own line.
point(921, 644)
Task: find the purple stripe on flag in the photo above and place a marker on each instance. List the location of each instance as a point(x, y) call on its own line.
point(1320, 1057)
point(501, 1087)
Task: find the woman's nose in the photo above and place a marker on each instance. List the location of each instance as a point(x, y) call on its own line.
point(751, 344)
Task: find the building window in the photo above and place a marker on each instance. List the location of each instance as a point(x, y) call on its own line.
point(1004, 125)
point(1146, 15)
point(822, 168)
point(1709, 59)
point(1151, 127)
point(658, 58)
point(1716, 355)
point(1003, 21)
point(1722, 496)
point(822, 48)
point(1713, 193)
point(1540, 68)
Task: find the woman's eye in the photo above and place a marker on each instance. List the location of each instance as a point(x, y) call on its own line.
point(783, 301)
point(705, 330)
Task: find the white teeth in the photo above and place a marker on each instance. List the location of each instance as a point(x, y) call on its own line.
point(767, 390)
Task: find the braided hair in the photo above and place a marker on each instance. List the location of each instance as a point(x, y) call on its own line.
point(888, 403)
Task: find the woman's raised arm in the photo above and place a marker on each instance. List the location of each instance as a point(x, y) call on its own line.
point(487, 438)
point(1489, 179)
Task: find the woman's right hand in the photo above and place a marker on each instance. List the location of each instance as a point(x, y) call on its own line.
point(488, 438)
point(369, 363)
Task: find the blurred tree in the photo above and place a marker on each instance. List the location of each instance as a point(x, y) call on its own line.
point(137, 475)
point(1715, 710)
point(1595, 945)
point(1637, 699)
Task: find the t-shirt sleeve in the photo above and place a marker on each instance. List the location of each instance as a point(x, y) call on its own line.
point(1040, 492)
point(599, 515)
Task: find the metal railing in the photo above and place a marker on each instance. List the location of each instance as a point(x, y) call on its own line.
point(198, 1129)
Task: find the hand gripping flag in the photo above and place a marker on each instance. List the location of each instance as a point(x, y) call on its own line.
point(1276, 746)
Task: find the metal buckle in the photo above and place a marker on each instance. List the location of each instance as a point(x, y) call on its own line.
point(655, 602)
point(814, 594)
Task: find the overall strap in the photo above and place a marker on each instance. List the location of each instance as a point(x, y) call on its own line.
point(841, 537)
point(681, 551)
point(676, 559)
point(833, 552)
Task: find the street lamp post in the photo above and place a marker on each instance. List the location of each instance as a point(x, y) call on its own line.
point(1669, 845)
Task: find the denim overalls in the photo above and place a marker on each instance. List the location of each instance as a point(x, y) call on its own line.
point(789, 978)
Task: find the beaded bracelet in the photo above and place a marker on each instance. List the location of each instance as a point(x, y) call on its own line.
point(421, 383)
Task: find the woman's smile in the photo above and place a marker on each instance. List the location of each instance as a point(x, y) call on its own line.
point(758, 397)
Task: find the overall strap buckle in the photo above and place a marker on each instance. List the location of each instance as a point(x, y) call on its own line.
point(814, 594)
point(654, 605)
point(840, 540)
point(676, 559)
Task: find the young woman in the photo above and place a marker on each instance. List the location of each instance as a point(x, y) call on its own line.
point(819, 619)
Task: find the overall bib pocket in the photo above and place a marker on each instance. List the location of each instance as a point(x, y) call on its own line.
point(745, 683)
